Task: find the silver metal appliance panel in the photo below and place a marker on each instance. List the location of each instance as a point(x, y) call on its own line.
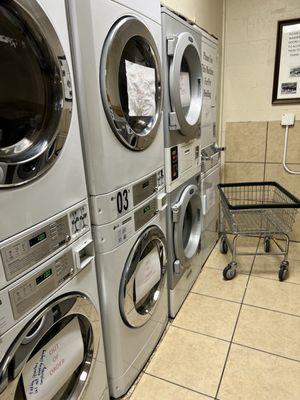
point(173, 197)
point(174, 25)
point(21, 253)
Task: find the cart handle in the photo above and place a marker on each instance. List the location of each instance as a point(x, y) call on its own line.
point(295, 204)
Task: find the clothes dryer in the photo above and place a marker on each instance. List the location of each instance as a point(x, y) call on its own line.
point(117, 55)
point(183, 83)
point(41, 166)
point(51, 337)
point(131, 258)
point(184, 227)
point(150, 9)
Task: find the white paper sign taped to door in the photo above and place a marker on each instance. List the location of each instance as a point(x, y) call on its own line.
point(185, 89)
point(50, 368)
point(148, 275)
point(141, 90)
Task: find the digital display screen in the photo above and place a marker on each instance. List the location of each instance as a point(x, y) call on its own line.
point(145, 184)
point(147, 208)
point(43, 276)
point(37, 239)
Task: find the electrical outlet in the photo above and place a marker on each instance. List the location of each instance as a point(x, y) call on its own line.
point(288, 119)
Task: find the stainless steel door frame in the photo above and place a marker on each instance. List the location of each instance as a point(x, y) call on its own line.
point(132, 316)
point(184, 47)
point(190, 197)
point(126, 29)
point(39, 148)
point(56, 314)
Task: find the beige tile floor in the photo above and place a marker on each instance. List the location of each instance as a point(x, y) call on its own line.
point(234, 340)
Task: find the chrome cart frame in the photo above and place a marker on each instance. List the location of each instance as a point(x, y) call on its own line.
point(256, 209)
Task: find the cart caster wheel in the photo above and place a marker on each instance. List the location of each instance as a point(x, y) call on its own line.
point(267, 245)
point(229, 272)
point(283, 271)
point(223, 246)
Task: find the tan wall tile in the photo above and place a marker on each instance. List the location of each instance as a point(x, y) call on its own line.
point(275, 172)
point(296, 229)
point(250, 42)
point(243, 172)
point(246, 141)
point(275, 142)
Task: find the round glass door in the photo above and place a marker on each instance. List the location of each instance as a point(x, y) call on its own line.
point(187, 229)
point(53, 355)
point(35, 95)
point(143, 278)
point(130, 81)
point(186, 87)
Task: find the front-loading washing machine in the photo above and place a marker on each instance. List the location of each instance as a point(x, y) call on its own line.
point(50, 331)
point(131, 256)
point(183, 84)
point(118, 69)
point(184, 228)
point(41, 165)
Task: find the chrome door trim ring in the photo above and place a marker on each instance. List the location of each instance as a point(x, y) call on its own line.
point(188, 128)
point(37, 146)
point(137, 320)
point(191, 194)
point(109, 70)
point(76, 310)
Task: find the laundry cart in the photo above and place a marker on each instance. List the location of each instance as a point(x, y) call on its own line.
point(263, 209)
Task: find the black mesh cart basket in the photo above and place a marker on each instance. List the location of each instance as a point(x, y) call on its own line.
point(261, 209)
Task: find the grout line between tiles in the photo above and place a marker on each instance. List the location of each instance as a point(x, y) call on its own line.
point(218, 269)
point(235, 326)
point(243, 162)
point(182, 386)
point(266, 149)
point(270, 309)
point(200, 333)
point(275, 279)
point(266, 352)
point(214, 297)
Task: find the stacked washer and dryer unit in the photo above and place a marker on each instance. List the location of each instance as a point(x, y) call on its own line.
point(117, 54)
point(182, 127)
point(50, 325)
point(210, 151)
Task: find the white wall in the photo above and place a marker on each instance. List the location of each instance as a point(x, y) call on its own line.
point(250, 42)
point(208, 14)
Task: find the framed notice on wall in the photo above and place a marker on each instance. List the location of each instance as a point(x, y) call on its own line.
point(286, 86)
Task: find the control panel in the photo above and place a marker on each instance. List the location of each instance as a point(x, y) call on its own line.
point(21, 253)
point(109, 207)
point(174, 162)
point(34, 289)
point(31, 290)
point(110, 236)
point(183, 161)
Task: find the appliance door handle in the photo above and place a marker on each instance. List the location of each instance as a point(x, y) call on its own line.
point(204, 204)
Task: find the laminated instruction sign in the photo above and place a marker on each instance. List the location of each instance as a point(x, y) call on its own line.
point(50, 368)
point(286, 87)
